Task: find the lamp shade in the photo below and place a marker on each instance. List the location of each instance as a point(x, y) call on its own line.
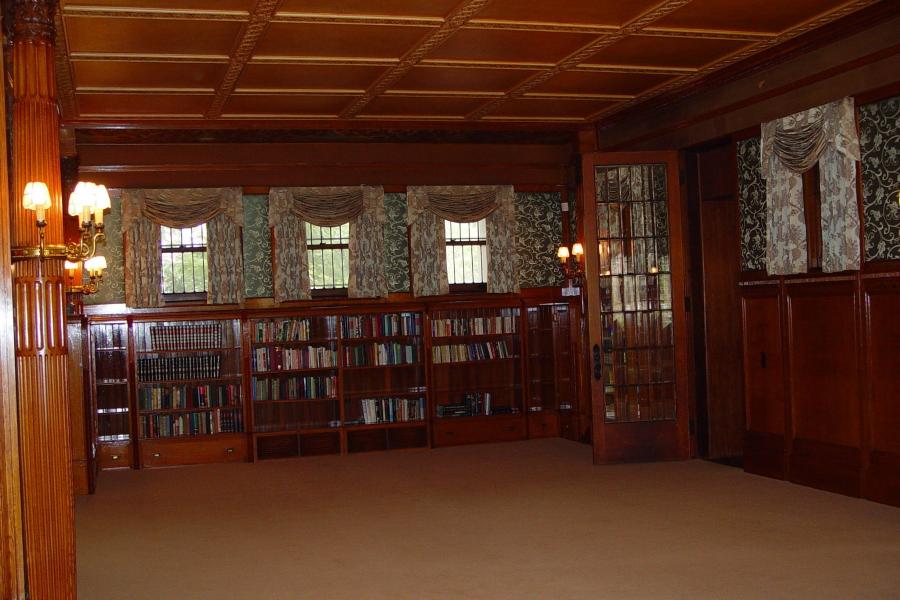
point(563, 252)
point(577, 249)
point(95, 265)
point(101, 197)
point(36, 196)
point(83, 196)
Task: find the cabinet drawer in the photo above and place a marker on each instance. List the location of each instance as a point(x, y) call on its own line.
point(114, 456)
point(479, 430)
point(164, 453)
point(543, 424)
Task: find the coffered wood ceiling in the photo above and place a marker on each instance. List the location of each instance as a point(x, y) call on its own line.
point(425, 61)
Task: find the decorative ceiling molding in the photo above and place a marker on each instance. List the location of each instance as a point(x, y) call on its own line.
point(671, 87)
point(129, 57)
point(65, 91)
point(154, 13)
point(253, 30)
point(454, 21)
point(582, 54)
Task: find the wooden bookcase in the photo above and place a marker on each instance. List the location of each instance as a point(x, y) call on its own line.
point(110, 404)
point(551, 368)
point(476, 374)
point(216, 385)
point(189, 391)
point(383, 377)
point(294, 387)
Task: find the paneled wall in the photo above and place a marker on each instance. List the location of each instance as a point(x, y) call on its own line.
point(538, 235)
point(821, 352)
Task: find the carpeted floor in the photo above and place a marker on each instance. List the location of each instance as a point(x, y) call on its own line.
point(520, 521)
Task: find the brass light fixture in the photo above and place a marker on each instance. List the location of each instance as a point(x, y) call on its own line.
point(573, 267)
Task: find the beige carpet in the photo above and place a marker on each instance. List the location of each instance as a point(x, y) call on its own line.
point(522, 520)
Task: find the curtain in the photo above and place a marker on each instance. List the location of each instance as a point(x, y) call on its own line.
point(791, 145)
point(362, 206)
point(430, 206)
point(143, 211)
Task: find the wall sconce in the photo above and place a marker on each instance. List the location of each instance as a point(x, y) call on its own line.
point(88, 202)
point(573, 267)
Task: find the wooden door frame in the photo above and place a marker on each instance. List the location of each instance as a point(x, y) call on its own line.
point(680, 297)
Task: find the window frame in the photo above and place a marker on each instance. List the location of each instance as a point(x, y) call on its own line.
point(327, 292)
point(472, 287)
point(184, 297)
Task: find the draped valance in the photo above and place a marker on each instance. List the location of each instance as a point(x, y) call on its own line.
point(144, 210)
point(361, 206)
point(430, 206)
point(791, 145)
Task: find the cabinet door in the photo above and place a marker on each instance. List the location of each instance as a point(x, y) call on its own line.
point(764, 395)
point(635, 293)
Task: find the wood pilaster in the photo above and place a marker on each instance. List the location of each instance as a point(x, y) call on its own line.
point(39, 313)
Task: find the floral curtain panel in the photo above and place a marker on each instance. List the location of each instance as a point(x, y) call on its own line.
point(791, 145)
point(430, 206)
point(143, 211)
point(361, 206)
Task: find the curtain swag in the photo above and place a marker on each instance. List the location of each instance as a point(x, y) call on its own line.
point(361, 206)
point(144, 210)
point(790, 146)
point(428, 207)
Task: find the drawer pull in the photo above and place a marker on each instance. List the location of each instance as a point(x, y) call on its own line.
point(229, 450)
point(156, 455)
point(115, 457)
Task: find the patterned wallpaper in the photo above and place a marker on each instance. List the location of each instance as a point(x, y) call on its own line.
point(257, 248)
point(396, 260)
point(752, 196)
point(538, 234)
point(879, 136)
point(112, 288)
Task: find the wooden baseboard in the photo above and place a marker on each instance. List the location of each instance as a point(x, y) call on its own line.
point(764, 454)
point(830, 467)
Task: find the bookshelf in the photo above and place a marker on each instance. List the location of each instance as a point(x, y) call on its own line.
point(383, 358)
point(551, 368)
point(476, 374)
point(189, 391)
point(294, 385)
point(112, 410)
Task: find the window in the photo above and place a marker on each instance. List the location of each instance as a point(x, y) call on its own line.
point(328, 249)
point(183, 260)
point(466, 254)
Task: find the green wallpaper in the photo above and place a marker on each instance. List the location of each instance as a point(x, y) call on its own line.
point(257, 248)
point(538, 234)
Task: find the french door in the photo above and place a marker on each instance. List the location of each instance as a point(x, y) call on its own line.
point(635, 287)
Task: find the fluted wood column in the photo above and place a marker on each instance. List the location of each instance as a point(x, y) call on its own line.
point(39, 313)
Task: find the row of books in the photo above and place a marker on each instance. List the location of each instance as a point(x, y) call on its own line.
point(185, 336)
point(108, 336)
point(295, 330)
point(166, 397)
point(199, 423)
point(466, 352)
point(475, 325)
point(469, 405)
point(293, 388)
point(194, 366)
point(406, 323)
point(389, 410)
point(284, 359)
point(392, 353)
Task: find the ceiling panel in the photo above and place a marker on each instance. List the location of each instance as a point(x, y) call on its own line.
point(151, 36)
point(150, 74)
point(313, 39)
point(231, 5)
point(401, 106)
point(188, 105)
point(555, 108)
point(739, 15)
point(461, 79)
point(275, 76)
point(429, 8)
point(660, 51)
point(590, 12)
point(510, 46)
point(601, 83)
point(284, 104)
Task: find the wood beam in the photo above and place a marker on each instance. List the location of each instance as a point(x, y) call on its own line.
point(39, 314)
point(459, 17)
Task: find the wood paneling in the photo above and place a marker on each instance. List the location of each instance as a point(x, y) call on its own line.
point(477, 430)
point(510, 46)
point(354, 41)
point(432, 8)
point(259, 76)
point(129, 36)
point(147, 74)
point(882, 480)
point(293, 105)
point(594, 82)
point(772, 16)
point(178, 105)
point(78, 411)
point(431, 79)
point(666, 52)
point(763, 361)
point(163, 453)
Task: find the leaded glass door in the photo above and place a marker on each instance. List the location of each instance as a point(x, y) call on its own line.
point(634, 286)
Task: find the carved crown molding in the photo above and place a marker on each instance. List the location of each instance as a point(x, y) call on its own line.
point(33, 21)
